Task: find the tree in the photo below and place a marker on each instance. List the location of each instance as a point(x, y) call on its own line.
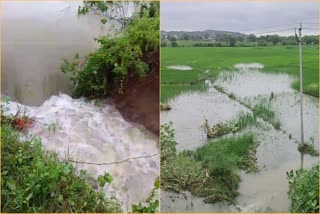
point(185, 36)
point(251, 38)
point(164, 44)
point(232, 41)
point(174, 44)
point(172, 38)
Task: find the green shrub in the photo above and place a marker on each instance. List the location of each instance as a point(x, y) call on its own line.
point(304, 190)
point(35, 181)
point(168, 144)
point(107, 68)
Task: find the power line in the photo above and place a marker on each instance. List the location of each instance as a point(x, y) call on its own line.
point(266, 27)
point(283, 30)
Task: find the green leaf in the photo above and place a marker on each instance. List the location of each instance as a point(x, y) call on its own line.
point(103, 21)
point(11, 184)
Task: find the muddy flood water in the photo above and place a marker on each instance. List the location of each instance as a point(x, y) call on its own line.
point(265, 191)
point(36, 37)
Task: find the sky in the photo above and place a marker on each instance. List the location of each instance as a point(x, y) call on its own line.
point(245, 17)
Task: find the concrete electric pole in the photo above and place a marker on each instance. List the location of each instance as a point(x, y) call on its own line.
point(301, 89)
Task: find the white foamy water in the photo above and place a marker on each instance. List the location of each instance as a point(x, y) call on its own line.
point(180, 67)
point(89, 133)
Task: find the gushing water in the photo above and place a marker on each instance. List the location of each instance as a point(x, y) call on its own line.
point(88, 133)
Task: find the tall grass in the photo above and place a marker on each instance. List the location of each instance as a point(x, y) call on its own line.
point(264, 111)
point(228, 153)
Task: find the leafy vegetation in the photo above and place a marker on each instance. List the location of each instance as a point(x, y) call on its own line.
point(308, 148)
point(108, 68)
point(211, 170)
point(152, 204)
point(211, 38)
point(36, 181)
point(262, 110)
point(304, 190)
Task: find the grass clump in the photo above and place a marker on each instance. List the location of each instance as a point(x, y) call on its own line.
point(263, 111)
point(35, 181)
point(229, 153)
point(211, 171)
point(304, 190)
point(308, 148)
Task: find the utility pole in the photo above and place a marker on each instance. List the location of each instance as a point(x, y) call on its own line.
point(301, 90)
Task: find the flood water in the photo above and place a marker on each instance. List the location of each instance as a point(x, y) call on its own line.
point(36, 36)
point(265, 191)
point(88, 133)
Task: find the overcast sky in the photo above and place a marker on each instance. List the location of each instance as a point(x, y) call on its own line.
point(245, 17)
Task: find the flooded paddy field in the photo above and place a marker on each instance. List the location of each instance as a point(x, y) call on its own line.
point(246, 88)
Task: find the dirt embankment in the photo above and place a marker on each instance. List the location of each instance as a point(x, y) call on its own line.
point(139, 101)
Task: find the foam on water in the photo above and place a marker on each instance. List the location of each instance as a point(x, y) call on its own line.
point(89, 133)
point(180, 67)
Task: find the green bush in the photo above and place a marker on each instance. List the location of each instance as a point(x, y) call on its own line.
point(107, 68)
point(35, 181)
point(304, 190)
point(168, 144)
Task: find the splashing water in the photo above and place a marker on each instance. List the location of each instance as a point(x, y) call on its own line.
point(88, 133)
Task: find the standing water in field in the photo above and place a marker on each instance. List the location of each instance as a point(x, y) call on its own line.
point(266, 190)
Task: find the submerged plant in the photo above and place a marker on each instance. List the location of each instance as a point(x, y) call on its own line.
point(308, 148)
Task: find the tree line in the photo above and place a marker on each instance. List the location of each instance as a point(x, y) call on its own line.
point(228, 40)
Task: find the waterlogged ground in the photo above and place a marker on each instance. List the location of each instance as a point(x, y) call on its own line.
point(265, 191)
point(86, 132)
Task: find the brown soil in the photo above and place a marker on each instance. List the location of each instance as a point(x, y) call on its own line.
point(140, 101)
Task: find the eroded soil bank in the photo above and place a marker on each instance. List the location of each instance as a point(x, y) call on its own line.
point(139, 101)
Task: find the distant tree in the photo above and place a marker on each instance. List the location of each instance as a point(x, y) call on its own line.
point(310, 39)
point(251, 38)
point(206, 35)
point(275, 39)
point(195, 37)
point(172, 38)
point(164, 44)
point(232, 41)
point(185, 36)
point(174, 44)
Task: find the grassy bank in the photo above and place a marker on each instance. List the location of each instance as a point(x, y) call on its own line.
point(33, 180)
point(211, 171)
point(277, 59)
